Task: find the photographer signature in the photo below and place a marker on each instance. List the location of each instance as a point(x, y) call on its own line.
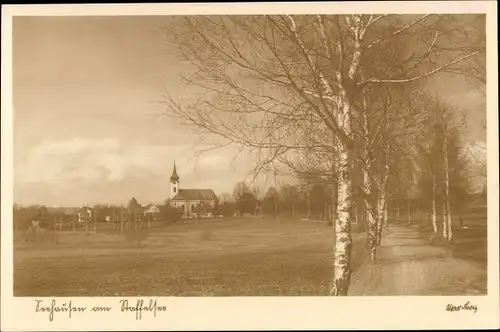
point(461, 307)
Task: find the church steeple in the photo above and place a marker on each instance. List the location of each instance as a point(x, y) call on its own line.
point(174, 178)
point(174, 183)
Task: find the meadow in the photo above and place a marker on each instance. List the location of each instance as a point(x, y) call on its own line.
point(251, 256)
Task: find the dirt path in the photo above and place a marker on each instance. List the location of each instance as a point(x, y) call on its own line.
point(408, 265)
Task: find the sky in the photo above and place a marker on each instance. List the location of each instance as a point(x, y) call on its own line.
point(88, 127)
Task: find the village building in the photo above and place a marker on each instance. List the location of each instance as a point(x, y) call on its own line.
point(192, 202)
point(151, 211)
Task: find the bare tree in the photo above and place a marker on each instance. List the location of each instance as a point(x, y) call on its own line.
point(225, 197)
point(443, 162)
point(285, 83)
point(240, 189)
point(446, 181)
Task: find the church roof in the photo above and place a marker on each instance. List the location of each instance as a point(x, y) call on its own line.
point(195, 195)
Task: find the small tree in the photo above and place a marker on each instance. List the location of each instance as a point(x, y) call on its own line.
point(226, 209)
point(240, 189)
point(172, 214)
point(247, 203)
point(270, 202)
point(204, 207)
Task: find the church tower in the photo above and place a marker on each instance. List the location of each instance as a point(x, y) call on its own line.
point(174, 183)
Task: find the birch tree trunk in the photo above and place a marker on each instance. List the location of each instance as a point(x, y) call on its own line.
point(343, 240)
point(371, 215)
point(409, 211)
point(382, 198)
point(447, 185)
point(381, 218)
point(371, 204)
point(399, 212)
point(434, 217)
point(450, 232)
point(445, 219)
point(386, 214)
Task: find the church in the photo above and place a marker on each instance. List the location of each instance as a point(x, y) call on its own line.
point(189, 200)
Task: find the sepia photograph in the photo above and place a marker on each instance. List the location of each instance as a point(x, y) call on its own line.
point(267, 155)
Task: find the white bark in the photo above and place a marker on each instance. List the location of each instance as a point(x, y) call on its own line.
point(343, 240)
point(434, 216)
point(386, 213)
point(447, 185)
point(382, 197)
point(382, 215)
point(371, 213)
point(445, 222)
point(409, 211)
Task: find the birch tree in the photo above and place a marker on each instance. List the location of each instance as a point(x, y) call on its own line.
point(429, 173)
point(446, 182)
point(443, 163)
point(265, 81)
point(387, 130)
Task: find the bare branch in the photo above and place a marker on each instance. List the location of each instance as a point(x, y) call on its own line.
point(397, 32)
point(408, 80)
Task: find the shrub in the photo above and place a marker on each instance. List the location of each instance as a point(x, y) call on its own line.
point(172, 214)
point(247, 203)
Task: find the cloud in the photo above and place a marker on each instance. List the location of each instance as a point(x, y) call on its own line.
point(75, 145)
point(85, 170)
point(88, 160)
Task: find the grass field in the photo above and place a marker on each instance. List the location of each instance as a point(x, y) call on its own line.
point(230, 257)
point(470, 236)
